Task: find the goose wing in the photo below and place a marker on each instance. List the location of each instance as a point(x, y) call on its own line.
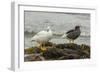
point(69, 31)
point(39, 35)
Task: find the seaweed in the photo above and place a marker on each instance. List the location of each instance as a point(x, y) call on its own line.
point(57, 52)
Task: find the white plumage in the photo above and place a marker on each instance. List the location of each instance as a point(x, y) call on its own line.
point(43, 36)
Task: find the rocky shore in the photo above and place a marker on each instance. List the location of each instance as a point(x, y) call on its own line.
point(57, 52)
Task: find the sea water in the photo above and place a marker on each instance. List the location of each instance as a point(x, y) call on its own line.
point(59, 23)
point(58, 40)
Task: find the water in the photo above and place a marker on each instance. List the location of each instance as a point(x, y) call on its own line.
point(58, 40)
point(59, 23)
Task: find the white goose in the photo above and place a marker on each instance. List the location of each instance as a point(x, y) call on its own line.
point(42, 37)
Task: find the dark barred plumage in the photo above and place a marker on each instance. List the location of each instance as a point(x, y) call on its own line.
point(74, 33)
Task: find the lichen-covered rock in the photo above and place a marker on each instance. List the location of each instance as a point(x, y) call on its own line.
point(32, 50)
point(29, 50)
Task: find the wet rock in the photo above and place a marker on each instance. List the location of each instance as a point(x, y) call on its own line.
point(56, 53)
point(69, 56)
point(49, 44)
point(33, 57)
point(73, 56)
point(70, 51)
point(73, 46)
point(53, 53)
point(68, 45)
point(32, 50)
point(85, 51)
point(59, 52)
point(61, 46)
point(29, 50)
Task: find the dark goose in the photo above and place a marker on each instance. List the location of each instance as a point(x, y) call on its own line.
point(73, 34)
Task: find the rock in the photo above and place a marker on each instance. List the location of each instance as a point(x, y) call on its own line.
point(33, 57)
point(32, 50)
point(61, 46)
point(56, 53)
point(49, 44)
point(53, 53)
point(70, 51)
point(85, 51)
point(73, 46)
point(68, 45)
point(59, 52)
point(29, 50)
point(69, 56)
